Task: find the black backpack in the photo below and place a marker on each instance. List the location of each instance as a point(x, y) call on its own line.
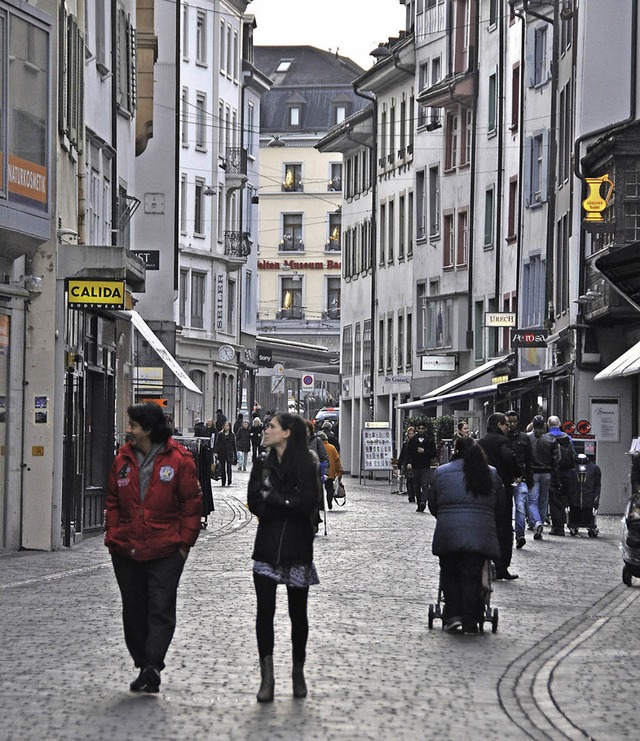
point(564, 457)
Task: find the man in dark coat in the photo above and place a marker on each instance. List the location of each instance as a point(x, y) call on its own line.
point(421, 450)
point(563, 476)
point(220, 419)
point(499, 454)
point(521, 445)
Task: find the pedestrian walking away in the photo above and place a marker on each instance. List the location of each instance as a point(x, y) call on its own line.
point(335, 468)
point(563, 476)
point(225, 451)
point(421, 451)
point(542, 465)
point(284, 489)
point(152, 519)
point(464, 498)
point(499, 455)
point(405, 469)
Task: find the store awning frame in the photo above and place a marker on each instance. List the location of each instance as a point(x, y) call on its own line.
point(453, 396)
point(628, 364)
point(161, 351)
point(467, 377)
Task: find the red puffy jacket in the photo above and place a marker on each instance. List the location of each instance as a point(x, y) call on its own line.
point(169, 517)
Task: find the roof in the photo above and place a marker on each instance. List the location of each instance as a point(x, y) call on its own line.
point(309, 66)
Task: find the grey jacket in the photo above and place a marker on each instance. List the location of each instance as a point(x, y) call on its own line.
point(464, 522)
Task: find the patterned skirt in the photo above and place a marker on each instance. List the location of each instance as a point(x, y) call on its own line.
point(293, 575)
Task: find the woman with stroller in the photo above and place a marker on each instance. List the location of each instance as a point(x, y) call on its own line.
point(463, 498)
point(225, 451)
point(284, 489)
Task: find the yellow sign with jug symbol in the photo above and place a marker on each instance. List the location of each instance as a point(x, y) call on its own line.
point(594, 204)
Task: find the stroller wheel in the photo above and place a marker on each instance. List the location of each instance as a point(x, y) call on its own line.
point(626, 575)
point(431, 615)
point(573, 530)
point(494, 620)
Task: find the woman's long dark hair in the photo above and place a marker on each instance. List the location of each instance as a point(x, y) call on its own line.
point(477, 474)
point(296, 455)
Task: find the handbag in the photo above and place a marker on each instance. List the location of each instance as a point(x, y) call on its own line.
point(339, 492)
point(216, 471)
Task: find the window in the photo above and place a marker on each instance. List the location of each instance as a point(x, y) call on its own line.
point(98, 200)
point(183, 204)
point(403, 128)
point(478, 330)
point(221, 44)
point(126, 63)
point(283, 65)
point(434, 201)
point(229, 67)
point(512, 209)
point(381, 345)
point(565, 136)
point(538, 56)
point(452, 140)
point(392, 135)
point(198, 281)
point(561, 267)
point(382, 137)
point(236, 55)
point(201, 123)
point(291, 298)
point(339, 114)
point(535, 168)
point(333, 298)
point(291, 233)
point(335, 176)
point(390, 345)
point(400, 343)
point(423, 84)
point(185, 31)
point(70, 113)
point(292, 181)
point(250, 124)
point(448, 242)
point(184, 296)
point(515, 97)
point(185, 117)
point(391, 221)
point(409, 355)
point(438, 313)
point(198, 220)
point(493, 13)
point(488, 217)
point(201, 38)
point(357, 354)
point(294, 116)
point(382, 233)
point(467, 135)
point(402, 227)
point(231, 306)
point(410, 224)
point(347, 351)
point(462, 248)
point(335, 224)
point(491, 121)
point(509, 304)
point(533, 292)
point(421, 206)
point(366, 346)
point(102, 58)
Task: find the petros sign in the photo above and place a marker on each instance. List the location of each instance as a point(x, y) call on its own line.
point(96, 294)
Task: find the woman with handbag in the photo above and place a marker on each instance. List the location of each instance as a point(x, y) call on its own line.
point(334, 471)
point(463, 498)
point(284, 488)
point(225, 451)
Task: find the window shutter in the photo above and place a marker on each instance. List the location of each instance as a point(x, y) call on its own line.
point(121, 75)
point(133, 67)
point(528, 144)
point(62, 72)
point(544, 179)
point(530, 57)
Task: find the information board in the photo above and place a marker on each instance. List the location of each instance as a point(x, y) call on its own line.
point(377, 448)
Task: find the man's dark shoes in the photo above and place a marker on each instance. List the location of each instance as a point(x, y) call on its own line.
point(412, 499)
point(506, 575)
point(330, 502)
point(147, 681)
point(421, 506)
point(538, 533)
point(557, 531)
point(520, 542)
point(138, 683)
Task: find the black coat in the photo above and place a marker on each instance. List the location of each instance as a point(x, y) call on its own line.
point(421, 460)
point(284, 505)
point(521, 445)
point(225, 447)
point(499, 454)
point(243, 439)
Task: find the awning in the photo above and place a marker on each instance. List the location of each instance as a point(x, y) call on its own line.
point(466, 377)
point(626, 365)
point(454, 396)
point(621, 267)
point(164, 355)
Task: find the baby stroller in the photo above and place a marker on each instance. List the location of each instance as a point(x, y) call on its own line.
point(630, 540)
point(490, 615)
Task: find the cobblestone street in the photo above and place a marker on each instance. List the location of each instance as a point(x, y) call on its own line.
point(560, 665)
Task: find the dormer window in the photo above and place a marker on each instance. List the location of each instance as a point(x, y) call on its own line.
point(294, 116)
point(283, 65)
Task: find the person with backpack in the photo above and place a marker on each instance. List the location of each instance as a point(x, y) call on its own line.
point(563, 475)
point(542, 465)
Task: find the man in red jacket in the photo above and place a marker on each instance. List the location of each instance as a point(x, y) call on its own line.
point(153, 509)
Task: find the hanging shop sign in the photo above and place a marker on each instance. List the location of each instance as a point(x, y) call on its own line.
point(529, 337)
point(96, 294)
point(594, 204)
point(437, 362)
point(499, 319)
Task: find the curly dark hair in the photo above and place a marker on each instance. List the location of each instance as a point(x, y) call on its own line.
point(152, 420)
point(477, 474)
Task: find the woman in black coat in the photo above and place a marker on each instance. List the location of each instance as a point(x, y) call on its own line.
point(225, 451)
point(284, 489)
point(463, 498)
point(255, 434)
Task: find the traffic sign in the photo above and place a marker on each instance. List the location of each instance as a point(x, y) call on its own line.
point(277, 385)
point(278, 369)
point(308, 382)
point(568, 426)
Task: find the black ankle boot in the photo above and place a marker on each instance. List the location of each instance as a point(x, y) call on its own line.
point(267, 683)
point(297, 675)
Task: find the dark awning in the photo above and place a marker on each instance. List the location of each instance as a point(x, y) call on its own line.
point(621, 268)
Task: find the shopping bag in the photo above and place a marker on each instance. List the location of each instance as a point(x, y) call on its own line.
point(216, 471)
point(339, 492)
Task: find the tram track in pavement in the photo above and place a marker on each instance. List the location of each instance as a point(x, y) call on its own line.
point(525, 689)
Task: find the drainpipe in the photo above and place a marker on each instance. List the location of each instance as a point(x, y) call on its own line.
point(500, 180)
point(472, 192)
point(176, 155)
point(521, 149)
point(373, 253)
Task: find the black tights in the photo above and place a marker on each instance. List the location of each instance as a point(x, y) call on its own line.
point(266, 595)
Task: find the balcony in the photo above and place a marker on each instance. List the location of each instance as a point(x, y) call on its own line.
point(235, 167)
point(237, 247)
point(296, 312)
